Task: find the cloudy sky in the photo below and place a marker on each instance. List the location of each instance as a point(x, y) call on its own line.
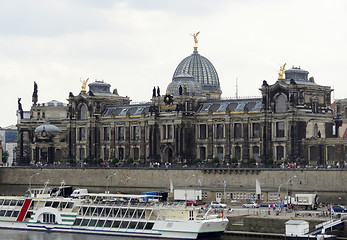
point(135, 45)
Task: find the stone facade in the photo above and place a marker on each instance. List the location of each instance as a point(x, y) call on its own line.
point(291, 123)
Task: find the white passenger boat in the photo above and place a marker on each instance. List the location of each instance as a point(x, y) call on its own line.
point(109, 214)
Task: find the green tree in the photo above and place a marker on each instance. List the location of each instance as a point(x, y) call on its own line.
point(115, 161)
point(215, 160)
point(5, 157)
point(130, 160)
point(197, 161)
point(234, 160)
point(252, 161)
point(99, 160)
point(270, 161)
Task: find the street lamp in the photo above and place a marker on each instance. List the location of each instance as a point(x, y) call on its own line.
point(31, 179)
point(279, 189)
point(107, 179)
point(185, 190)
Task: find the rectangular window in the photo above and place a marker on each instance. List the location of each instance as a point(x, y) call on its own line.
point(203, 131)
point(164, 132)
point(106, 153)
point(202, 153)
point(237, 131)
point(169, 132)
point(256, 152)
point(255, 130)
point(331, 153)
point(136, 132)
point(279, 152)
point(121, 153)
point(82, 134)
point(106, 133)
point(136, 153)
point(220, 131)
point(280, 129)
point(220, 153)
point(82, 154)
point(120, 133)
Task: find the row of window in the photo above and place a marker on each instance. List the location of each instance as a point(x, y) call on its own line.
point(106, 153)
point(112, 212)
point(167, 131)
point(113, 224)
point(61, 205)
point(11, 202)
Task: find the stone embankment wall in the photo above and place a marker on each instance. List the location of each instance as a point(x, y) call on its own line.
point(329, 184)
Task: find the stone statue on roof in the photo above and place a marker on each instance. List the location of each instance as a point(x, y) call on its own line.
point(35, 96)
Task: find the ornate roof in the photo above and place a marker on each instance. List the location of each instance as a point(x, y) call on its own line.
point(47, 127)
point(189, 85)
point(201, 69)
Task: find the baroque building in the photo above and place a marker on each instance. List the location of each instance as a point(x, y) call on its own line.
point(292, 122)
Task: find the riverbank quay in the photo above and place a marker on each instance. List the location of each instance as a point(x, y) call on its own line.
point(272, 226)
point(237, 183)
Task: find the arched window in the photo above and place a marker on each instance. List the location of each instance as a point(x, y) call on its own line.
point(281, 104)
point(315, 130)
point(83, 112)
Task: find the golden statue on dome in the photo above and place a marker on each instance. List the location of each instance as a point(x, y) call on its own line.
point(195, 35)
point(84, 84)
point(281, 72)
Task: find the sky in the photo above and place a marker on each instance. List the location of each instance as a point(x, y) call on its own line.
point(135, 45)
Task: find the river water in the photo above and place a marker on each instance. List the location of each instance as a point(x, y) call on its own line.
point(34, 235)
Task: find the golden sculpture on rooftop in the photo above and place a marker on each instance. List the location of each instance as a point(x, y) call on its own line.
point(281, 72)
point(84, 84)
point(195, 35)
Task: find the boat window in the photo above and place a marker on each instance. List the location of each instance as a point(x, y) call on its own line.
point(124, 212)
point(131, 213)
point(1, 201)
point(55, 204)
point(8, 213)
point(108, 223)
point(100, 223)
point(149, 226)
point(132, 225)
point(69, 205)
point(85, 222)
point(48, 218)
point(48, 204)
point(77, 222)
point(141, 213)
point(7, 202)
point(13, 202)
point(20, 203)
point(2, 213)
point(15, 214)
point(124, 224)
point(92, 223)
point(116, 224)
point(141, 225)
point(107, 211)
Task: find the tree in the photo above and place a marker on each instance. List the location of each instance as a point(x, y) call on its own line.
point(115, 161)
point(234, 160)
point(130, 160)
point(270, 161)
point(99, 160)
point(215, 160)
point(252, 161)
point(4, 157)
point(197, 161)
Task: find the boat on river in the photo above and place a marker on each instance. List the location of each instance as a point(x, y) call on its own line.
point(109, 214)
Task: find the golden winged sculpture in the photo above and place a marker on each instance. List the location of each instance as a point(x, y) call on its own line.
point(195, 35)
point(84, 84)
point(281, 72)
